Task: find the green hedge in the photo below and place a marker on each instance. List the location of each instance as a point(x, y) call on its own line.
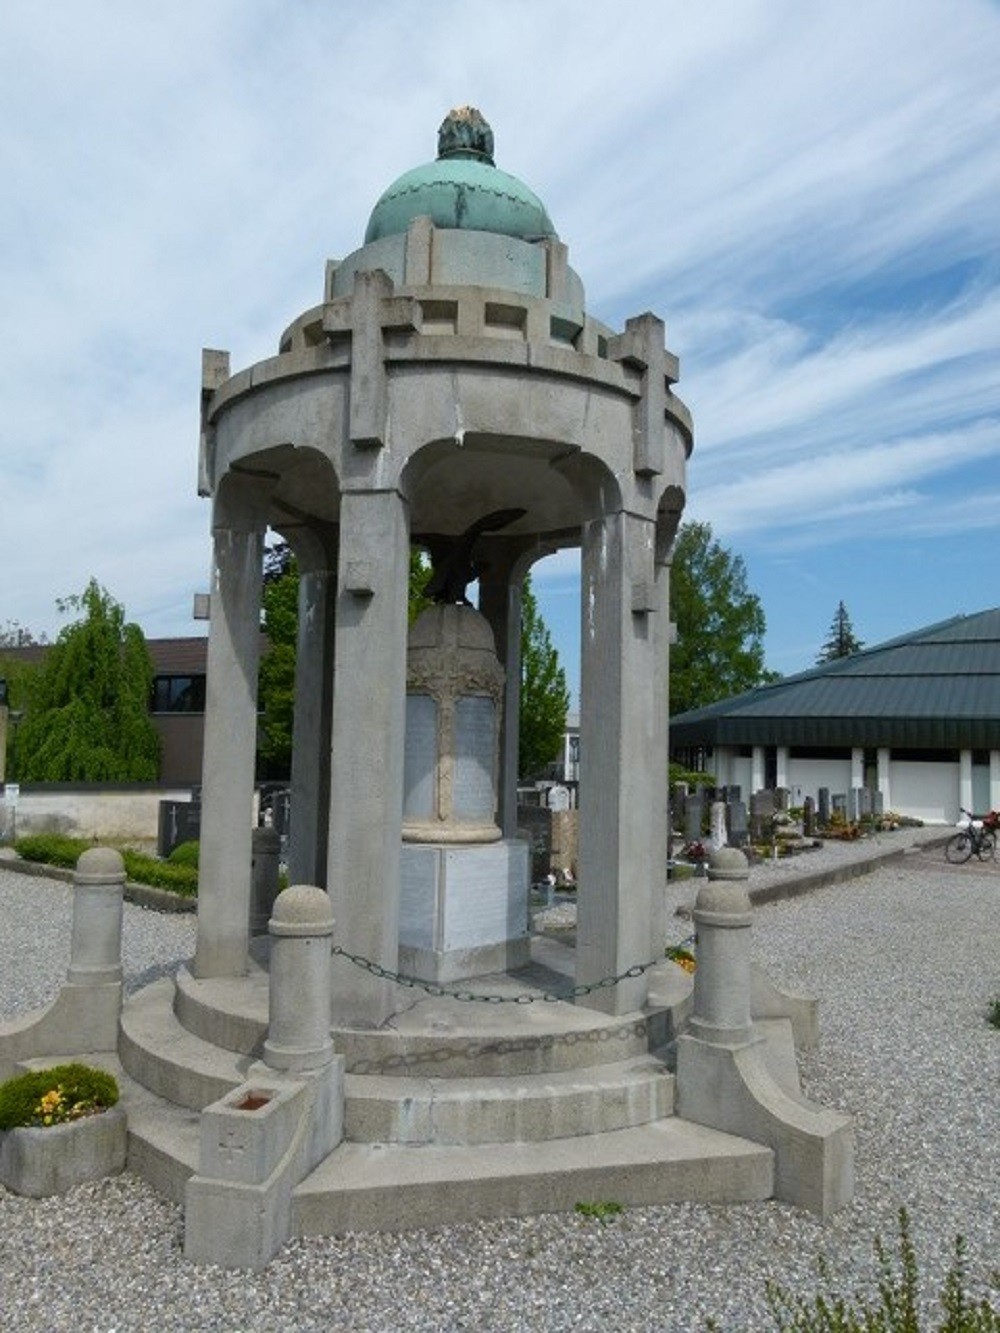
point(52, 849)
point(56, 849)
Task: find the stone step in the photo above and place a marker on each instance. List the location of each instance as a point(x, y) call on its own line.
point(506, 1110)
point(164, 1057)
point(168, 1060)
point(366, 1187)
point(439, 1036)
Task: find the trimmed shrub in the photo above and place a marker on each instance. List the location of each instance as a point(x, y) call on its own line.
point(70, 1092)
point(161, 874)
point(185, 854)
point(58, 850)
point(52, 849)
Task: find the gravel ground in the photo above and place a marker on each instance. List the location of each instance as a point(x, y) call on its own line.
point(905, 961)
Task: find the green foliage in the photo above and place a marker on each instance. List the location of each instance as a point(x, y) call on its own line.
point(88, 719)
point(993, 1013)
point(20, 1096)
point(52, 849)
point(841, 640)
point(56, 849)
point(678, 773)
point(897, 1307)
point(720, 623)
point(602, 1211)
point(544, 692)
point(142, 869)
point(20, 677)
point(186, 853)
point(280, 601)
point(420, 573)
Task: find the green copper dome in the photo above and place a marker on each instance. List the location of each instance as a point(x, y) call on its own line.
point(462, 189)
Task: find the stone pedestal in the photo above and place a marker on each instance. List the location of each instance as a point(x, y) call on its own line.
point(463, 910)
point(463, 890)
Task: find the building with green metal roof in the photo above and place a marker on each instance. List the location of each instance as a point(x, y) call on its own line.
point(917, 718)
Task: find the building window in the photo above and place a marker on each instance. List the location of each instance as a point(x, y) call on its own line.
point(178, 694)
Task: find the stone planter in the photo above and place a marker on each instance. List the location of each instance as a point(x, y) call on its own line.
point(50, 1160)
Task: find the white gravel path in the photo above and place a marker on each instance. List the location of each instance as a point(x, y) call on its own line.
point(905, 961)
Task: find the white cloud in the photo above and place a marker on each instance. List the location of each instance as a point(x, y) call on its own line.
point(789, 186)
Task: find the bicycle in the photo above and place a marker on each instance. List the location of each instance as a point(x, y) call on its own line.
point(978, 835)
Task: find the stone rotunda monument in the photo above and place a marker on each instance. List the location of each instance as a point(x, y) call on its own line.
point(398, 1050)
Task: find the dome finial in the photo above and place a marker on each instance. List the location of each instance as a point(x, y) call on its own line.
point(465, 132)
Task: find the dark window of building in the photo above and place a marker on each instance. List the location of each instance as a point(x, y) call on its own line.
point(178, 694)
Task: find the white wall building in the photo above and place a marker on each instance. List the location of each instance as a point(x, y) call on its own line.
point(917, 718)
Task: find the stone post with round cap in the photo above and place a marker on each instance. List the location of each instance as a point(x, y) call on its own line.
point(301, 929)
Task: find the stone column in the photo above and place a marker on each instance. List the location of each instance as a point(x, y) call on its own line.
point(781, 766)
point(230, 734)
point(500, 586)
point(620, 729)
point(369, 722)
point(664, 636)
point(310, 784)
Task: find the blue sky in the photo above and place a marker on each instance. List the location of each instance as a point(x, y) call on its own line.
point(807, 194)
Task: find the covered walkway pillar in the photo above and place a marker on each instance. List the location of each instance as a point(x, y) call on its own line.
point(620, 727)
point(369, 725)
point(230, 730)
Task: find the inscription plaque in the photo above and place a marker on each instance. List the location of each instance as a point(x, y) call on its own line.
point(420, 757)
point(475, 744)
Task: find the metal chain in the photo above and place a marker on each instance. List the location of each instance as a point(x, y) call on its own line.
point(547, 997)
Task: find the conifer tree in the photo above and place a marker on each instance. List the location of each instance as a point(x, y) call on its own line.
point(841, 640)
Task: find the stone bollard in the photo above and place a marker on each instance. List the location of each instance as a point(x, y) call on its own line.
point(266, 843)
point(96, 948)
point(722, 918)
point(728, 863)
point(301, 929)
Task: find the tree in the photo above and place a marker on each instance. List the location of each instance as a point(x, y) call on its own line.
point(276, 685)
point(841, 641)
point(544, 693)
point(88, 719)
point(720, 623)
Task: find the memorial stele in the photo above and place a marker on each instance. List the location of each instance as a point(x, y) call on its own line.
point(398, 1050)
